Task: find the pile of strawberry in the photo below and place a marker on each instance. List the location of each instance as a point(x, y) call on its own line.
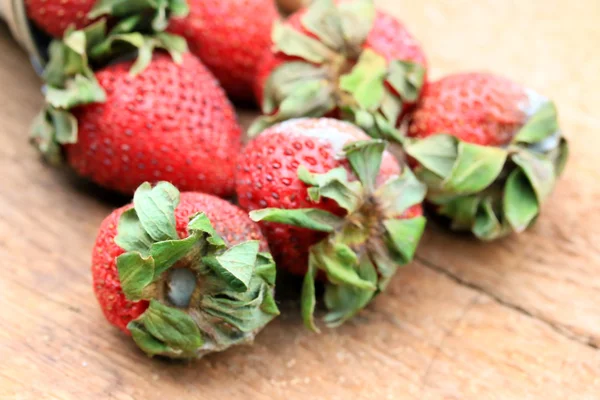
point(138, 101)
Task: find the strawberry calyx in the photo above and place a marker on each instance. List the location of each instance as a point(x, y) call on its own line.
point(365, 247)
point(334, 72)
point(204, 295)
point(493, 191)
point(69, 74)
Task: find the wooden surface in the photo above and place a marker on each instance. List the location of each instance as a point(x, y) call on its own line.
point(517, 319)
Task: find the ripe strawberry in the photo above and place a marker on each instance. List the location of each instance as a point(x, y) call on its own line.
point(229, 36)
point(170, 122)
point(357, 232)
point(344, 60)
point(489, 149)
point(55, 16)
point(150, 257)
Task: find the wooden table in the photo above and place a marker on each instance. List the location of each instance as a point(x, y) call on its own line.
point(517, 319)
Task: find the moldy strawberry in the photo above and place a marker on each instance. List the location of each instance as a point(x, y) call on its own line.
point(186, 274)
point(333, 204)
point(489, 150)
point(341, 59)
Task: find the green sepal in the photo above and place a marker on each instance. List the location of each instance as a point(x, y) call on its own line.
point(295, 44)
point(236, 265)
point(334, 185)
point(77, 91)
point(407, 78)
point(309, 98)
point(166, 331)
point(520, 201)
point(405, 235)
point(542, 124)
point(343, 301)
point(463, 168)
point(339, 262)
point(400, 193)
point(136, 273)
point(365, 83)
point(51, 129)
point(155, 208)
point(365, 159)
point(309, 218)
point(308, 300)
point(131, 234)
point(157, 12)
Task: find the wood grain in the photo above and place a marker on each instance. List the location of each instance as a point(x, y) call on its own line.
point(517, 319)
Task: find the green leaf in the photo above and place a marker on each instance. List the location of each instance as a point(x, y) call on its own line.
point(487, 225)
point(155, 208)
point(65, 126)
point(391, 107)
point(541, 125)
point(313, 99)
point(333, 185)
point(200, 223)
point(287, 79)
point(365, 159)
point(77, 91)
point(168, 252)
point(539, 170)
point(476, 167)
point(236, 265)
point(309, 218)
point(343, 302)
point(400, 193)
point(135, 274)
point(405, 235)
point(407, 79)
point(563, 156)
point(131, 235)
point(366, 80)
point(358, 18)
point(149, 344)
point(308, 297)
point(324, 20)
point(520, 201)
point(462, 210)
point(170, 326)
point(339, 262)
point(265, 268)
point(295, 44)
point(436, 153)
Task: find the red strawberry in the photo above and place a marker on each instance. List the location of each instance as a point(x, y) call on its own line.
point(170, 122)
point(55, 16)
point(346, 60)
point(489, 149)
point(130, 233)
point(299, 167)
point(229, 36)
point(475, 107)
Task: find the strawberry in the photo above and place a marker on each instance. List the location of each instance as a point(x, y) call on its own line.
point(169, 121)
point(489, 149)
point(229, 36)
point(55, 16)
point(343, 60)
point(185, 274)
point(355, 215)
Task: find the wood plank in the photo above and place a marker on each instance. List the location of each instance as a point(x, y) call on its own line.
point(431, 336)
